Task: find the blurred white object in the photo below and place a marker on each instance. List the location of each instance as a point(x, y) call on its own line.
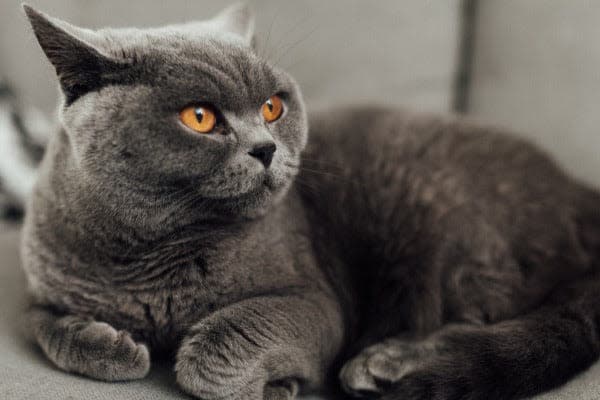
point(20, 136)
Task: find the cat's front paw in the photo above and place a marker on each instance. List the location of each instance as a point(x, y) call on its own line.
point(412, 370)
point(208, 377)
point(282, 390)
point(391, 366)
point(100, 351)
point(220, 361)
point(87, 347)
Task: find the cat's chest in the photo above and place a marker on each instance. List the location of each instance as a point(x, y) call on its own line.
point(214, 264)
point(179, 281)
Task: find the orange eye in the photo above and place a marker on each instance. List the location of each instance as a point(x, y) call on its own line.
point(201, 119)
point(272, 108)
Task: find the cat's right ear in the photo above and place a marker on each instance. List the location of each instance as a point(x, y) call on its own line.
point(238, 19)
point(80, 67)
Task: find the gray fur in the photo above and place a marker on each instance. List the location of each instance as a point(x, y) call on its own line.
point(421, 249)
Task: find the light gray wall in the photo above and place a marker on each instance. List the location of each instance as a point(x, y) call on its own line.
point(388, 51)
point(537, 70)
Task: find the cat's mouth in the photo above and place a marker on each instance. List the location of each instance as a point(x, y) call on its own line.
point(267, 190)
point(261, 186)
point(262, 191)
point(266, 184)
point(269, 182)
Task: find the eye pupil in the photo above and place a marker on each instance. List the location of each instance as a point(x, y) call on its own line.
point(199, 114)
point(270, 105)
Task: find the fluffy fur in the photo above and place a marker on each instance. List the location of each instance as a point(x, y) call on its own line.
point(430, 257)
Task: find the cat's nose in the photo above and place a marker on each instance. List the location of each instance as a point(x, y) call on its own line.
point(264, 152)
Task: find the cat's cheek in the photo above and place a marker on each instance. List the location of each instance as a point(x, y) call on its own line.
point(281, 193)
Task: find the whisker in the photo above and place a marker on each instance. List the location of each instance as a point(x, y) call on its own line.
point(299, 61)
point(279, 45)
point(305, 185)
point(333, 176)
point(296, 44)
point(266, 44)
point(315, 171)
point(291, 164)
point(324, 162)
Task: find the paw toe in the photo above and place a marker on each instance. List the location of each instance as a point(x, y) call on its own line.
point(139, 365)
point(388, 369)
point(284, 390)
point(356, 378)
point(112, 355)
point(379, 366)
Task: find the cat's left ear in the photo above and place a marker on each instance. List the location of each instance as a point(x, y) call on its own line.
point(237, 19)
point(81, 67)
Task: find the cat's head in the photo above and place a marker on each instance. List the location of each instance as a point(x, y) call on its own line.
point(188, 109)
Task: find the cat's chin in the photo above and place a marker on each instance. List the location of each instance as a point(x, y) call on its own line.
point(260, 200)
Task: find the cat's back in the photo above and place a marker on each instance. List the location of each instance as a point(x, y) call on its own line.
point(353, 132)
point(382, 146)
point(389, 172)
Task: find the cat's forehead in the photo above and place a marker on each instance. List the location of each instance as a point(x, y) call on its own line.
point(174, 35)
point(176, 41)
point(211, 64)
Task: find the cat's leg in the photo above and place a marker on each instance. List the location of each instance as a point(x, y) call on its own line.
point(506, 360)
point(87, 347)
point(261, 348)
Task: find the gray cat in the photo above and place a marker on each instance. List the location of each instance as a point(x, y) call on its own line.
point(181, 212)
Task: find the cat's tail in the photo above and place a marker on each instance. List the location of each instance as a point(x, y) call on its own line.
point(512, 359)
point(23, 135)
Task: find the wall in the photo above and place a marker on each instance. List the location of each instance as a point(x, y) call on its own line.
point(387, 51)
point(537, 70)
